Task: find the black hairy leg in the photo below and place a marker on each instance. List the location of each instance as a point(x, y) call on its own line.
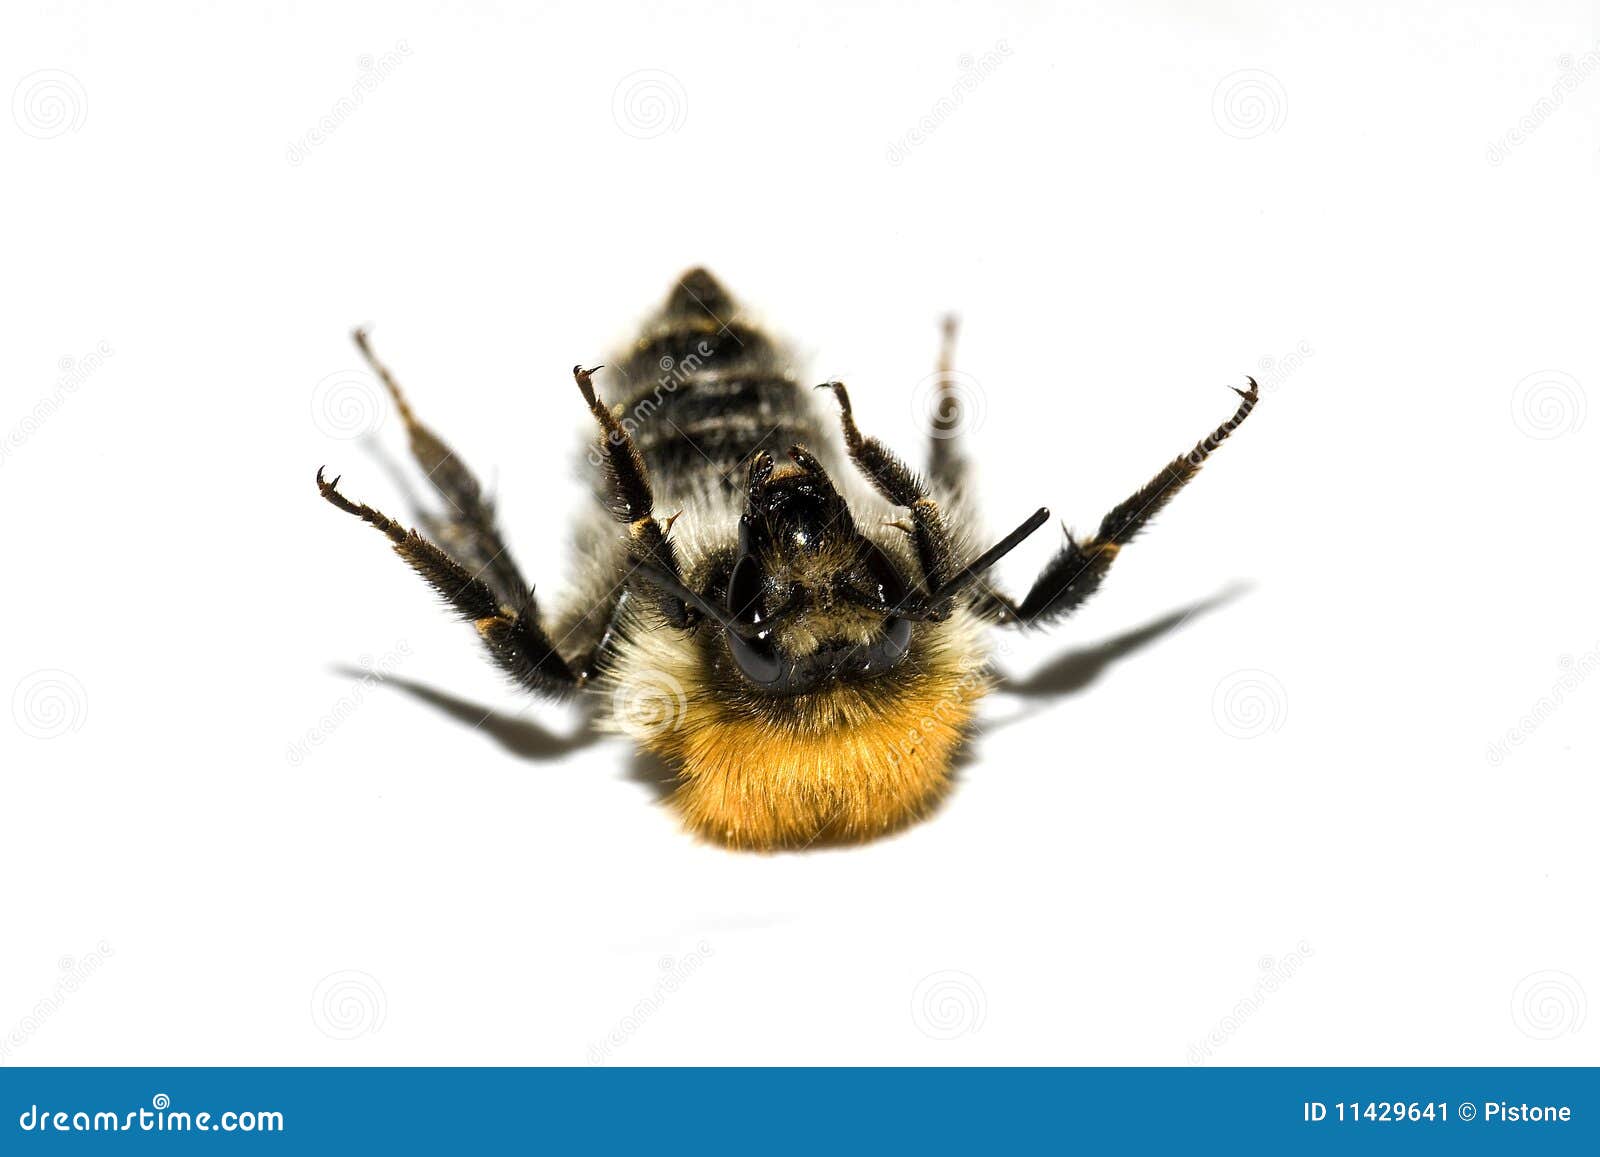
point(512, 632)
point(467, 527)
point(896, 482)
point(1076, 572)
point(631, 500)
point(947, 465)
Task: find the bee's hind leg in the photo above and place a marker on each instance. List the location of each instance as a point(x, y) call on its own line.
point(474, 570)
point(947, 464)
point(467, 527)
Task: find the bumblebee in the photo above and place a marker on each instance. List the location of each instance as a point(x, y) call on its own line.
point(794, 621)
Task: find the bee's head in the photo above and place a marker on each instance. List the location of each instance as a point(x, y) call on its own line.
point(805, 598)
point(809, 598)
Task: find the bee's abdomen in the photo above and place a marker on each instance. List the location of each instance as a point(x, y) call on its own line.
point(705, 390)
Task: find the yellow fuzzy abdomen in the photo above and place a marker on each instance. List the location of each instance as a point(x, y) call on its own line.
point(845, 763)
point(851, 771)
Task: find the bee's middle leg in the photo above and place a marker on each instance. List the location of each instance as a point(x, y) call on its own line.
point(632, 501)
point(512, 632)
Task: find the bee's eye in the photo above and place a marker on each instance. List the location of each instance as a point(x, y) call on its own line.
point(874, 582)
point(891, 588)
point(888, 648)
point(744, 590)
point(897, 638)
point(756, 659)
point(886, 589)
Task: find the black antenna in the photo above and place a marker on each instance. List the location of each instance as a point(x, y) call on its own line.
point(969, 573)
point(699, 602)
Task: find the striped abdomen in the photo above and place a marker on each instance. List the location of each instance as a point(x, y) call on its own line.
point(705, 390)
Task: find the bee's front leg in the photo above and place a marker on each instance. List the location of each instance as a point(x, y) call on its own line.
point(896, 482)
point(1077, 571)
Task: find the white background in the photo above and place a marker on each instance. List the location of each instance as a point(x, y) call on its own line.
point(1139, 206)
